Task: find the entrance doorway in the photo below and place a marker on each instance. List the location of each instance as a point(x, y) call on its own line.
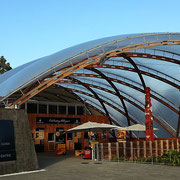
point(51, 141)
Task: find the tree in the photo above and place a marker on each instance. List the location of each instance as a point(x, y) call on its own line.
point(4, 66)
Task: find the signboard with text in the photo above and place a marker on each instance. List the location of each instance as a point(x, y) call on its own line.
point(57, 120)
point(7, 141)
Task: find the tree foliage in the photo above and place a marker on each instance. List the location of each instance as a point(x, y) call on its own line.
point(4, 65)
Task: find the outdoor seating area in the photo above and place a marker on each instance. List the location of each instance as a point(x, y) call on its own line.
point(94, 147)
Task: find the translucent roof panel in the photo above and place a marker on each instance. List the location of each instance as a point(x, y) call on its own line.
point(128, 64)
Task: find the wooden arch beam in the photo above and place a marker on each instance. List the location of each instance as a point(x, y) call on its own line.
point(151, 69)
point(109, 104)
point(135, 68)
point(80, 99)
point(133, 103)
point(93, 92)
point(86, 62)
point(141, 71)
point(150, 56)
point(55, 78)
point(131, 86)
point(116, 90)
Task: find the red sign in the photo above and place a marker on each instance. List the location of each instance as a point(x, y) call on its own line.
point(148, 116)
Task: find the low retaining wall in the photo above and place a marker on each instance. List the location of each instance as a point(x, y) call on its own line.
point(24, 155)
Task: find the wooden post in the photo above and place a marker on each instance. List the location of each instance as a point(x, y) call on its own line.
point(144, 144)
point(73, 141)
point(67, 143)
point(97, 150)
point(167, 145)
point(156, 148)
point(162, 150)
point(109, 151)
point(117, 150)
point(150, 148)
point(172, 144)
point(138, 149)
point(131, 149)
point(124, 148)
point(177, 145)
point(102, 151)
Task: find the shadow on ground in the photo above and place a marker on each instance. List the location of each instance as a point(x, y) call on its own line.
point(50, 158)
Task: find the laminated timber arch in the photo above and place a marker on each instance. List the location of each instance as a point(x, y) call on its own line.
point(116, 90)
point(125, 80)
point(150, 56)
point(129, 85)
point(141, 72)
point(44, 84)
point(87, 104)
point(128, 100)
point(39, 75)
point(99, 99)
point(120, 111)
point(93, 92)
point(90, 105)
point(173, 81)
point(135, 68)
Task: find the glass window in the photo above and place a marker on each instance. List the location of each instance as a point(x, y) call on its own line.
point(69, 136)
point(62, 109)
point(52, 109)
point(80, 110)
point(42, 108)
point(31, 108)
point(50, 136)
point(71, 110)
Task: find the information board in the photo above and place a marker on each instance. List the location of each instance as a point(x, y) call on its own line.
point(7, 141)
point(57, 120)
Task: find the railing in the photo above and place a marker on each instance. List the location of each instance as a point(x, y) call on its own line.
point(137, 151)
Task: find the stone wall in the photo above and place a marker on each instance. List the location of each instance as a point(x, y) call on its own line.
point(26, 159)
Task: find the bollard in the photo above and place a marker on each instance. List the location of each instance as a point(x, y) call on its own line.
point(97, 148)
point(117, 150)
point(109, 151)
point(102, 151)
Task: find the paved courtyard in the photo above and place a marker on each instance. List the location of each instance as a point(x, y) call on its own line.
point(71, 168)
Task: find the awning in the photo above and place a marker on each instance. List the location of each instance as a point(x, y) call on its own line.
point(92, 126)
point(135, 127)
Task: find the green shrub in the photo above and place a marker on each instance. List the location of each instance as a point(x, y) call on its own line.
point(118, 159)
point(169, 157)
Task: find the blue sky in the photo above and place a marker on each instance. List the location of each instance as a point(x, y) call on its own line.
point(30, 29)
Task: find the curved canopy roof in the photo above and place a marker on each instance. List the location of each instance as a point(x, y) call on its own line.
point(110, 75)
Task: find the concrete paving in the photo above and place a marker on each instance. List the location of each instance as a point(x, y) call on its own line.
point(71, 168)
